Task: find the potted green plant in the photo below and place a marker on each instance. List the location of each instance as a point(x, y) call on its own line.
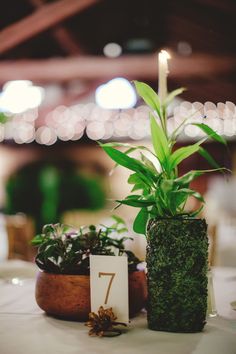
point(63, 284)
point(177, 243)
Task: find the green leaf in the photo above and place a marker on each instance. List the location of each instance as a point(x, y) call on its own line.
point(189, 177)
point(37, 240)
point(50, 251)
point(190, 192)
point(173, 94)
point(133, 178)
point(136, 202)
point(149, 96)
point(140, 221)
point(176, 198)
point(180, 128)
point(118, 219)
point(131, 147)
point(130, 163)
point(138, 183)
point(210, 132)
point(161, 203)
point(204, 153)
point(149, 174)
point(180, 196)
point(160, 143)
point(184, 152)
point(138, 187)
point(148, 163)
point(196, 195)
point(167, 185)
point(196, 212)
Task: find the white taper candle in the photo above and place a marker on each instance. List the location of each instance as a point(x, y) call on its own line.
point(163, 72)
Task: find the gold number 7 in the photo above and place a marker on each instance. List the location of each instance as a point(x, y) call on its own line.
point(112, 275)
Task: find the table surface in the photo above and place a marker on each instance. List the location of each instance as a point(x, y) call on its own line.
point(24, 328)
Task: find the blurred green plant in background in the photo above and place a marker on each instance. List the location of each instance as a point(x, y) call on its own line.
point(3, 118)
point(45, 190)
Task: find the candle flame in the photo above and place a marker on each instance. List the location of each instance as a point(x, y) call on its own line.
point(165, 54)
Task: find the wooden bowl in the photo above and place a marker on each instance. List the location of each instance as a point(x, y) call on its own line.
point(68, 296)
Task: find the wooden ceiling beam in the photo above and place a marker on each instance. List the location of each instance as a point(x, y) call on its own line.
point(100, 68)
point(45, 17)
point(66, 41)
point(61, 34)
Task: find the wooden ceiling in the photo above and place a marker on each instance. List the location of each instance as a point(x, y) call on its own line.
point(48, 41)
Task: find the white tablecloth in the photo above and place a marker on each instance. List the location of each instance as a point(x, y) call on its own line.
point(25, 329)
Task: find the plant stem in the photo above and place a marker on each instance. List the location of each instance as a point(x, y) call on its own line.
point(165, 122)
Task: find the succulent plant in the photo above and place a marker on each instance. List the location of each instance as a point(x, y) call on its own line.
point(65, 250)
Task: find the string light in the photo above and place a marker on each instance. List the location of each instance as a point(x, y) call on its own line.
point(71, 123)
point(116, 94)
point(20, 95)
point(112, 50)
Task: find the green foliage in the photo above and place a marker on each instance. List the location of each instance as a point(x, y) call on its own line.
point(149, 96)
point(160, 143)
point(3, 118)
point(162, 192)
point(173, 94)
point(45, 190)
point(64, 250)
point(211, 133)
point(177, 268)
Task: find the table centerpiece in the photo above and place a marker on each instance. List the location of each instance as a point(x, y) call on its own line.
point(177, 242)
point(63, 284)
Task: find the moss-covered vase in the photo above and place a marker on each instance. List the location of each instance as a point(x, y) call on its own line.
point(177, 252)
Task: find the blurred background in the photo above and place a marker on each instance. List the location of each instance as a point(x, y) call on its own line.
point(66, 68)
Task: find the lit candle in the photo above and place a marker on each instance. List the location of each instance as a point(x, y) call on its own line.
point(163, 72)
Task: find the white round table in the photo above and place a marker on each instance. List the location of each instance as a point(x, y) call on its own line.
point(25, 329)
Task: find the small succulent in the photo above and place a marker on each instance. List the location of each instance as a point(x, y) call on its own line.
point(65, 250)
point(103, 324)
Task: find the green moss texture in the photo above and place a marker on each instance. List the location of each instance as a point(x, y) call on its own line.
point(177, 253)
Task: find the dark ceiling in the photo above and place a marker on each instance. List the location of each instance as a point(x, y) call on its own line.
point(208, 26)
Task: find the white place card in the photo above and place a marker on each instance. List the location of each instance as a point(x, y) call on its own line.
point(109, 285)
